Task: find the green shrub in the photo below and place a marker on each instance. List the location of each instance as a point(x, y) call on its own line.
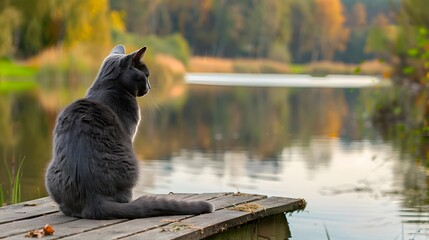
point(174, 45)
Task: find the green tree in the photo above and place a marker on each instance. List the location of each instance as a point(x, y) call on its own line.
point(411, 46)
point(302, 22)
point(378, 40)
point(9, 23)
point(35, 31)
point(267, 26)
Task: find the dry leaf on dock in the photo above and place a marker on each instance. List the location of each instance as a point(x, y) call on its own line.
point(39, 233)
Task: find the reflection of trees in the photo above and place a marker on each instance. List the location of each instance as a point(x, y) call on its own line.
point(318, 112)
point(401, 117)
point(25, 131)
point(255, 119)
point(415, 186)
point(258, 120)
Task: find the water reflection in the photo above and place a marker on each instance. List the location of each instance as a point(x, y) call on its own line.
point(353, 194)
point(25, 132)
point(259, 120)
point(310, 143)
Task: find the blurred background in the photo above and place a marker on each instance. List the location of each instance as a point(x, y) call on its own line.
point(325, 100)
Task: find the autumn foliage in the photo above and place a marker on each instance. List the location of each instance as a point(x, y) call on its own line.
point(281, 30)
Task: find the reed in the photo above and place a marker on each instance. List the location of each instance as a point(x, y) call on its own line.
point(326, 232)
point(2, 202)
point(13, 193)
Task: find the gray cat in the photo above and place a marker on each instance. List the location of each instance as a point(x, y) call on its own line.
point(94, 168)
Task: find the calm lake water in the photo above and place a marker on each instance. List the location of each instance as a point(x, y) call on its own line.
point(315, 143)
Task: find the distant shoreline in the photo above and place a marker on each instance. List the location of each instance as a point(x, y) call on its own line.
point(225, 65)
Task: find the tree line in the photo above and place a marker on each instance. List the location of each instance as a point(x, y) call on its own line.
point(286, 30)
point(296, 31)
point(29, 27)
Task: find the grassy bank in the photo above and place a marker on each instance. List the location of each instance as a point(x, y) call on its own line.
point(9, 68)
point(16, 77)
point(211, 64)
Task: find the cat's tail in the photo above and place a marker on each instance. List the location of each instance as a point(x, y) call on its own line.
point(147, 206)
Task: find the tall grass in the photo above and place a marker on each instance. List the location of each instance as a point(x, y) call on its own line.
point(326, 232)
point(13, 192)
point(1, 195)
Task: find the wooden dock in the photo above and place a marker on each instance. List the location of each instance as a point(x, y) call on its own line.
point(237, 216)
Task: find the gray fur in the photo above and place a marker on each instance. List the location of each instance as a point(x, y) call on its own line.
point(94, 168)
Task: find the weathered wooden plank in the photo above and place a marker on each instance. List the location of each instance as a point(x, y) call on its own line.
point(208, 224)
point(192, 227)
point(236, 198)
point(243, 232)
point(173, 195)
point(274, 227)
point(118, 229)
point(37, 201)
point(72, 227)
point(208, 196)
point(130, 227)
point(274, 205)
point(29, 209)
point(23, 226)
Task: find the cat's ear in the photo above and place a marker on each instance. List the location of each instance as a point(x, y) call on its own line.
point(137, 55)
point(120, 49)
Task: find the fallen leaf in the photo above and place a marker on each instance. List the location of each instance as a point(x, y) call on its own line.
point(48, 229)
point(39, 233)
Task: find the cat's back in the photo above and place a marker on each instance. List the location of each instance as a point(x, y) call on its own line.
point(86, 116)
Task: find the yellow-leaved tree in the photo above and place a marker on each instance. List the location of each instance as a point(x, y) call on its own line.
point(87, 24)
point(330, 33)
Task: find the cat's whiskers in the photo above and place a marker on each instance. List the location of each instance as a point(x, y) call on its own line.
point(153, 106)
point(157, 105)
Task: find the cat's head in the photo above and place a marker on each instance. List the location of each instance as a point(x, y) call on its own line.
point(125, 71)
